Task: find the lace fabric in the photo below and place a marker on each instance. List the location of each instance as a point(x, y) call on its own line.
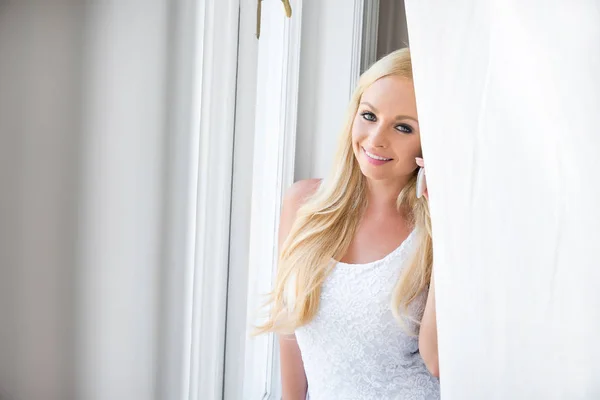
point(354, 348)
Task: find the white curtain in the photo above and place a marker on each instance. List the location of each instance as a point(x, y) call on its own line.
point(508, 94)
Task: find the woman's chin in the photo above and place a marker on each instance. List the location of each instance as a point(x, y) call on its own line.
point(374, 174)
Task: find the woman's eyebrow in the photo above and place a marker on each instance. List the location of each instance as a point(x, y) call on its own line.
point(397, 117)
point(370, 105)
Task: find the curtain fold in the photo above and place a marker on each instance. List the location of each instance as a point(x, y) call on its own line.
point(508, 95)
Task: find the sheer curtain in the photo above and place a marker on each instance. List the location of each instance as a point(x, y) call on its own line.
point(508, 95)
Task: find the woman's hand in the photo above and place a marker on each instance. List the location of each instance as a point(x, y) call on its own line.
point(421, 180)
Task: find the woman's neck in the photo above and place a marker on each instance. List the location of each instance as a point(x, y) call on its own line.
point(382, 196)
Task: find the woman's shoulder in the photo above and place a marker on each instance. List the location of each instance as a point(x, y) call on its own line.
point(300, 191)
point(294, 198)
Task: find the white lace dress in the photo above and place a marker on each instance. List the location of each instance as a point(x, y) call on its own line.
point(354, 349)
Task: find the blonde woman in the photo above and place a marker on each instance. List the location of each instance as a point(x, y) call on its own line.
point(353, 302)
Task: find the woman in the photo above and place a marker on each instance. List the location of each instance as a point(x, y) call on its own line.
point(350, 246)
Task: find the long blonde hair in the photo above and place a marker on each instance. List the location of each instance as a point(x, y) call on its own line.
point(327, 222)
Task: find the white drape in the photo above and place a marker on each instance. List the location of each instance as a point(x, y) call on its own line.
point(508, 94)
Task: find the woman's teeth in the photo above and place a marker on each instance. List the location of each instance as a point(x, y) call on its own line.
point(373, 156)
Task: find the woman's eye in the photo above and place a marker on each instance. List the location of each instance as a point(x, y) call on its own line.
point(369, 116)
point(404, 128)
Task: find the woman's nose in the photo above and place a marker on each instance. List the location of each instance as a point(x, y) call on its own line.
point(377, 137)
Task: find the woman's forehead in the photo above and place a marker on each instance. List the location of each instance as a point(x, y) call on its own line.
point(391, 93)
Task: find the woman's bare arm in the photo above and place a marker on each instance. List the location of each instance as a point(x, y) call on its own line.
point(428, 343)
point(293, 377)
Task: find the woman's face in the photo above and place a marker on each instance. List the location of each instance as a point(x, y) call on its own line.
point(385, 132)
